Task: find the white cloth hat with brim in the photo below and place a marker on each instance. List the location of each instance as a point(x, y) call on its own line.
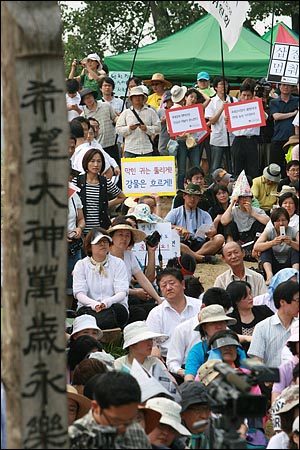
point(170, 413)
point(138, 331)
point(94, 57)
point(84, 322)
point(137, 90)
point(214, 313)
point(142, 212)
point(84, 403)
point(178, 93)
point(138, 235)
point(285, 188)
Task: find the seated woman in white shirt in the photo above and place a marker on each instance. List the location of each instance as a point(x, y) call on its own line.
point(100, 282)
point(140, 299)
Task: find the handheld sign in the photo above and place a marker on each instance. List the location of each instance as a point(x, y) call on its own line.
point(187, 119)
point(246, 114)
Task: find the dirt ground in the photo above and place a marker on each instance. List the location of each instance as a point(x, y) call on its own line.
point(207, 273)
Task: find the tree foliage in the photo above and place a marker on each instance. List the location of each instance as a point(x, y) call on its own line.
point(112, 27)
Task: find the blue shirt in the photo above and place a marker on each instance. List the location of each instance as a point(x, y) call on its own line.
point(283, 129)
point(195, 358)
point(191, 220)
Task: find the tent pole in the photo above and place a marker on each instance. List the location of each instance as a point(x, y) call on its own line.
point(228, 159)
point(272, 29)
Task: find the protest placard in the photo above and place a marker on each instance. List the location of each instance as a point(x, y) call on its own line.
point(169, 243)
point(120, 79)
point(186, 119)
point(149, 175)
point(284, 64)
point(246, 114)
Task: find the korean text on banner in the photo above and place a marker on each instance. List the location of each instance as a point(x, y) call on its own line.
point(231, 16)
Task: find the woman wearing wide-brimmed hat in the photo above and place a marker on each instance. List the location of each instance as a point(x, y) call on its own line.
point(140, 299)
point(212, 318)
point(139, 341)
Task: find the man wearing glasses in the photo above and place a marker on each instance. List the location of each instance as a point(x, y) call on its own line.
point(112, 421)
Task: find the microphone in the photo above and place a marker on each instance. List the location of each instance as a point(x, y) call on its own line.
point(200, 424)
point(232, 377)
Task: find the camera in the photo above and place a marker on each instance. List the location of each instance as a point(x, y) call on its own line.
point(97, 437)
point(78, 62)
point(153, 239)
point(262, 86)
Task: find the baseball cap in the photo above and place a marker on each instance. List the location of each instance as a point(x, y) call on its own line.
point(203, 76)
point(220, 174)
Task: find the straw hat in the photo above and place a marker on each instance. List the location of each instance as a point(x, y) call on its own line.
point(84, 322)
point(213, 313)
point(83, 402)
point(293, 140)
point(170, 413)
point(138, 331)
point(158, 77)
point(138, 235)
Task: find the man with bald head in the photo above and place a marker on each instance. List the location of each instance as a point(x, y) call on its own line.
point(233, 254)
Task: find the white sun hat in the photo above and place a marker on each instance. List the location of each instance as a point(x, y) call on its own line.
point(170, 413)
point(86, 321)
point(138, 331)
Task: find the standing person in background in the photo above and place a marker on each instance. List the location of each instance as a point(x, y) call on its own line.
point(137, 136)
point(283, 109)
point(193, 154)
point(131, 82)
point(164, 136)
point(245, 150)
point(73, 99)
point(92, 73)
point(203, 82)
point(106, 116)
point(158, 84)
point(220, 139)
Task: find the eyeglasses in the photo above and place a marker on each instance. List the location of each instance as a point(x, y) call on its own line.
point(116, 423)
point(295, 300)
point(156, 84)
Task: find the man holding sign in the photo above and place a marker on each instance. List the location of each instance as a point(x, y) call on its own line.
point(245, 148)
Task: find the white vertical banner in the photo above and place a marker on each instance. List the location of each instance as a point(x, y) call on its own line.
point(231, 16)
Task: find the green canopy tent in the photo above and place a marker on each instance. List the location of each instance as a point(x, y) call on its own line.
point(282, 34)
point(195, 48)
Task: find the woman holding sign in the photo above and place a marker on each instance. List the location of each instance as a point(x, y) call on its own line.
point(178, 96)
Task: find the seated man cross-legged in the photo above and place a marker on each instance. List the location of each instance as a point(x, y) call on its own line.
point(187, 219)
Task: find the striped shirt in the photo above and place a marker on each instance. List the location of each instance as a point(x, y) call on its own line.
point(92, 203)
point(105, 115)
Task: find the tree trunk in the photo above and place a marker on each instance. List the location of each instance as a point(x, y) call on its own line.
point(36, 169)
